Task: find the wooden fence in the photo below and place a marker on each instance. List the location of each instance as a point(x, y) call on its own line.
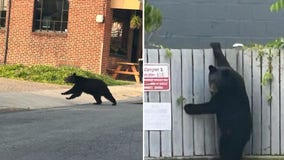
point(198, 135)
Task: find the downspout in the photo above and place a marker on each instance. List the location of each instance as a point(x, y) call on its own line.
point(7, 33)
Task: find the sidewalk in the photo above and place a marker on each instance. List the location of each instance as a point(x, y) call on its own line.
point(18, 95)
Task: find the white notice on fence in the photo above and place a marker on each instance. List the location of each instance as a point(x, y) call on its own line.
point(157, 116)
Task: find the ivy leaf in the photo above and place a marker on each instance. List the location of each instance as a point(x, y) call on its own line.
point(180, 100)
point(168, 53)
point(269, 98)
point(267, 77)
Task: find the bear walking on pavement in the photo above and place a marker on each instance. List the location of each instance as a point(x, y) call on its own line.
point(230, 103)
point(95, 87)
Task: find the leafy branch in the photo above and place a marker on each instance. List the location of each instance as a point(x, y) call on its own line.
point(277, 5)
point(153, 21)
point(266, 51)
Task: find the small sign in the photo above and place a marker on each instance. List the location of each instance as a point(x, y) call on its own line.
point(156, 77)
point(157, 116)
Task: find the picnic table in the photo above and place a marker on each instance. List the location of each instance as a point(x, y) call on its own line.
point(126, 68)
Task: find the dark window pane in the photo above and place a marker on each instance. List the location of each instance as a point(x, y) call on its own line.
point(66, 5)
point(65, 16)
point(3, 6)
point(50, 15)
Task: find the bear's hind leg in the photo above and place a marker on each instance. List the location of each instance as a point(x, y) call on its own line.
point(231, 148)
point(110, 98)
point(98, 99)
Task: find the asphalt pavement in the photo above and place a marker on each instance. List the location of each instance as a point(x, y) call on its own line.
point(38, 123)
point(24, 95)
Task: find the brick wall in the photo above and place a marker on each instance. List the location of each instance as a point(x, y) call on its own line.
point(86, 43)
point(2, 45)
point(107, 36)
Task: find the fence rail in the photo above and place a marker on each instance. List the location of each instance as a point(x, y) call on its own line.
point(197, 135)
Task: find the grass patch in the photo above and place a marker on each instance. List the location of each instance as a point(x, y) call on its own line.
point(50, 74)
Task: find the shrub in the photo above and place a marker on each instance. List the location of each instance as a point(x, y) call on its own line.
point(50, 74)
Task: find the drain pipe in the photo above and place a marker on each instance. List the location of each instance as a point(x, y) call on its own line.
point(7, 33)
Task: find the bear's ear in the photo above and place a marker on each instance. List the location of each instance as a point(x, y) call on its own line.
point(212, 69)
point(74, 74)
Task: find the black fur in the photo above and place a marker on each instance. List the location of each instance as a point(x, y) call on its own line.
point(230, 103)
point(95, 87)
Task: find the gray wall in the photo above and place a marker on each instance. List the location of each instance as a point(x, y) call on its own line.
point(196, 23)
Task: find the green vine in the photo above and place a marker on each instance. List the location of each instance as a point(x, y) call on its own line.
point(266, 51)
point(168, 51)
point(180, 100)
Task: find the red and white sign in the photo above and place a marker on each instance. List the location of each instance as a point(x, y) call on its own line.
point(156, 77)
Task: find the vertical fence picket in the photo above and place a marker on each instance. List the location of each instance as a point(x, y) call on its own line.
point(166, 136)
point(176, 108)
point(198, 81)
point(240, 68)
point(256, 108)
point(265, 112)
point(247, 75)
point(154, 97)
point(209, 124)
point(282, 100)
point(275, 106)
point(146, 133)
point(187, 94)
point(231, 56)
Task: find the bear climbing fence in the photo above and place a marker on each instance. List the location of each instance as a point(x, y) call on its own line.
point(197, 135)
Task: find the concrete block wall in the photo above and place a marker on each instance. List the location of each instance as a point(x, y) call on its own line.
point(196, 23)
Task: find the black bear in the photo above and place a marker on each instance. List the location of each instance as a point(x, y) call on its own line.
point(95, 87)
point(230, 103)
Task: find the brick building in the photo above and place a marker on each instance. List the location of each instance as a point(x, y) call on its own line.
point(69, 32)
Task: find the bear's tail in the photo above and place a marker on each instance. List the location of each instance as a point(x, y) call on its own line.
point(219, 56)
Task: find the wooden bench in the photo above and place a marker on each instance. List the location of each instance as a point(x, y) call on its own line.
point(125, 68)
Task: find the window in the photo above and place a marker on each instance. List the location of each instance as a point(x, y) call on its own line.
point(117, 40)
point(51, 15)
point(3, 9)
point(119, 32)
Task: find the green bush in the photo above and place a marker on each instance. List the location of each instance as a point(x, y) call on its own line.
point(50, 74)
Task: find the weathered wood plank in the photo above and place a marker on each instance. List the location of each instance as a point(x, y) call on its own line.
point(154, 136)
point(166, 136)
point(231, 55)
point(256, 108)
point(282, 100)
point(265, 111)
point(209, 126)
point(187, 92)
point(176, 109)
point(146, 144)
point(247, 75)
point(240, 68)
point(275, 105)
point(198, 65)
point(146, 149)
